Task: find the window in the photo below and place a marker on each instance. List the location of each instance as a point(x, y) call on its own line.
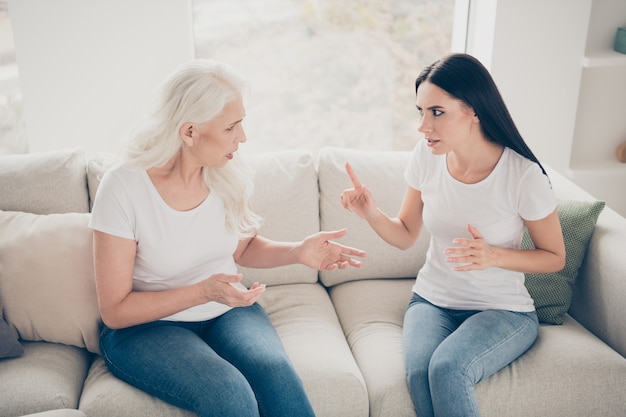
point(325, 72)
point(322, 72)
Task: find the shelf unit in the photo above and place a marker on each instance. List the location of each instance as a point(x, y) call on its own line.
point(601, 118)
point(603, 59)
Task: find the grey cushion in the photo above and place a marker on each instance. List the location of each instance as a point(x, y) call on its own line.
point(48, 376)
point(44, 182)
point(9, 345)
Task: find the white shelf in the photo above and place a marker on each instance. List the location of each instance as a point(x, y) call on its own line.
point(604, 58)
point(610, 167)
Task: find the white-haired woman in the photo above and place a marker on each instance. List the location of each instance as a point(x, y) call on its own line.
point(171, 220)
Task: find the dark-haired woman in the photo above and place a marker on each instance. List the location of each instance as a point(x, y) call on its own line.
point(474, 184)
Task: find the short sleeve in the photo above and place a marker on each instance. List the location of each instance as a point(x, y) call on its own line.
point(412, 174)
point(536, 197)
point(112, 211)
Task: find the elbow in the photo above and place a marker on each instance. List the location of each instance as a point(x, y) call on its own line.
point(559, 262)
point(111, 321)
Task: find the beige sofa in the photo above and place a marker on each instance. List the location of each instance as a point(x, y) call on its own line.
point(342, 329)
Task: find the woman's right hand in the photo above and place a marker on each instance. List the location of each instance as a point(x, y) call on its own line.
point(358, 199)
point(219, 288)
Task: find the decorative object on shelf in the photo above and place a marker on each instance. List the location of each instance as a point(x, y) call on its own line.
point(620, 40)
point(621, 152)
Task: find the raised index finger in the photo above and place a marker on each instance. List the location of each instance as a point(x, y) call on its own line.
point(355, 180)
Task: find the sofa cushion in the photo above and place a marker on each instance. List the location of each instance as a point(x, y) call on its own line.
point(371, 314)
point(568, 372)
point(308, 327)
point(47, 287)
point(552, 292)
point(104, 395)
point(65, 412)
point(44, 182)
point(9, 345)
point(48, 376)
point(383, 174)
point(286, 195)
point(307, 324)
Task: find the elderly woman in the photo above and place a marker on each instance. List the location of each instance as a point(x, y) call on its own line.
point(171, 221)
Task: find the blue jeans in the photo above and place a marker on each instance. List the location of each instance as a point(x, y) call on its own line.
point(448, 351)
point(233, 365)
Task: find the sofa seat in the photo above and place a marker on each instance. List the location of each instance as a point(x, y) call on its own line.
point(48, 376)
point(567, 369)
point(305, 319)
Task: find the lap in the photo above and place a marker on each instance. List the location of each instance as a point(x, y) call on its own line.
point(483, 341)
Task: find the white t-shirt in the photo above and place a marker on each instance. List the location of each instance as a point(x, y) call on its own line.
point(516, 189)
point(174, 248)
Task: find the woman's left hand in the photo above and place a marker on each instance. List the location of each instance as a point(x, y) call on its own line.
point(319, 252)
point(475, 253)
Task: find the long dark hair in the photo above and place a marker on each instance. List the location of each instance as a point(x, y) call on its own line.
point(463, 77)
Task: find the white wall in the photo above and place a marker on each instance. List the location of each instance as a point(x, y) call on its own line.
point(534, 54)
point(87, 68)
point(572, 116)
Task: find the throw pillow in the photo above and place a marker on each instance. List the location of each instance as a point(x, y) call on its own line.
point(47, 285)
point(552, 292)
point(9, 345)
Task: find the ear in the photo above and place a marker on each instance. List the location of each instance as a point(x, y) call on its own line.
point(186, 132)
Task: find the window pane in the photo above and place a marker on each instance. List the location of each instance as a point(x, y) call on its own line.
point(327, 72)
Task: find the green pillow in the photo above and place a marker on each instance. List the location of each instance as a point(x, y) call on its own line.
point(552, 292)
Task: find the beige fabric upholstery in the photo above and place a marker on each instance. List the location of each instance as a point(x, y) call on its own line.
point(45, 182)
point(49, 376)
point(308, 327)
point(47, 287)
point(371, 314)
point(383, 174)
point(286, 196)
point(102, 389)
point(568, 369)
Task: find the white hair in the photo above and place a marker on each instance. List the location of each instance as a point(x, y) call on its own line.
point(196, 92)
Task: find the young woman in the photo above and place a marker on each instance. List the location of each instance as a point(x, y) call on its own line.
point(474, 184)
point(171, 221)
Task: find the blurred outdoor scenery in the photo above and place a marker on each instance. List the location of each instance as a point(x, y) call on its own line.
point(321, 72)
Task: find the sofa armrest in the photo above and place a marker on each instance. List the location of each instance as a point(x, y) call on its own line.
point(599, 294)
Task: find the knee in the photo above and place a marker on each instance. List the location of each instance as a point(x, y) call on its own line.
point(416, 371)
point(234, 398)
point(446, 367)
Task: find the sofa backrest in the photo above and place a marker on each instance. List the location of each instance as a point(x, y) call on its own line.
point(45, 182)
point(383, 174)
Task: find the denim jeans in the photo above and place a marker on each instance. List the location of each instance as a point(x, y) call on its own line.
point(233, 365)
point(448, 351)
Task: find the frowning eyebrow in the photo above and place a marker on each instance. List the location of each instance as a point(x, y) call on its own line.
point(435, 107)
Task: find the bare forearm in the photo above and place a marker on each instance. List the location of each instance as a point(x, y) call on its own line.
point(143, 307)
point(529, 261)
point(265, 253)
point(392, 230)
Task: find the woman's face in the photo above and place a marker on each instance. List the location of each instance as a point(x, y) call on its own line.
point(447, 123)
point(215, 142)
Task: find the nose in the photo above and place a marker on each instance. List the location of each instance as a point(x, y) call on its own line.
point(424, 124)
point(241, 137)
